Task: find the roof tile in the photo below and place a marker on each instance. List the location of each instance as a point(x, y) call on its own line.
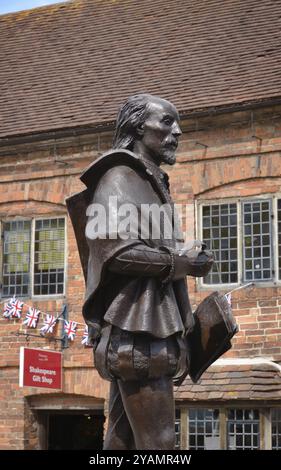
point(74, 63)
point(240, 381)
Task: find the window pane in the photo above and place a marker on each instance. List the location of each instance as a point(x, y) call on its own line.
point(243, 429)
point(276, 428)
point(279, 235)
point(204, 429)
point(220, 235)
point(16, 257)
point(178, 428)
point(49, 256)
point(257, 236)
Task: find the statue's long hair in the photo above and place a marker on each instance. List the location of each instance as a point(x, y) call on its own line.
point(131, 116)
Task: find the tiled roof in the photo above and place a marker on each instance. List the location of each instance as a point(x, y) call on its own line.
point(74, 63)
point(250, 381)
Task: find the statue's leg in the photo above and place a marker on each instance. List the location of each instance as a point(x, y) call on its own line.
point(119, 434)
point(149, 405)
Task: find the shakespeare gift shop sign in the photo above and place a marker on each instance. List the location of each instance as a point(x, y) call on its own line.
point(40, 368)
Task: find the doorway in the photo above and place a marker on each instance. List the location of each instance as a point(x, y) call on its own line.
point(75, 430)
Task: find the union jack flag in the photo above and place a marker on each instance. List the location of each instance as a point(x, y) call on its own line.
point(70, 329)
point(31, 318)
point(48, 324)
point(16, 308)
point(85, 339)
point(7, 309)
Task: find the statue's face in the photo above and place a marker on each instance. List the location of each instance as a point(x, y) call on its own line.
point(161, 131)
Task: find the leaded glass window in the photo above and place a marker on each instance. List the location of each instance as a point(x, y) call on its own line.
point(279, 236)
point(257, 238)
point(220, 234)
point(243, 428)
point(49, 256)
point(231, 428)
point(44, 259)
point(276, 428)
point(204, 429)
point(178, 429)
point(245, 237)
point(16, 257)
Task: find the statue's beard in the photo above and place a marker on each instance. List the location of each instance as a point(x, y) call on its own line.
point(169, 159)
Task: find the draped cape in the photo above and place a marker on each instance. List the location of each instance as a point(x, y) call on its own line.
point(120, 179)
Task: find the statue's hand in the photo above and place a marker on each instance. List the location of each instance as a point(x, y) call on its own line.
point(198, 263)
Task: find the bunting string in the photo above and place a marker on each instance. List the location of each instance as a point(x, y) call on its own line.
point(13, 310)
point(43, 314)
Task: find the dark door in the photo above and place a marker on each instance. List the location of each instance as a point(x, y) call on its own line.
point(75, 431)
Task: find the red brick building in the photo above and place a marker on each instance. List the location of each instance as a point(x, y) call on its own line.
point(65, 70)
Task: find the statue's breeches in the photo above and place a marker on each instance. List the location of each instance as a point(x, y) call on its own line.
point(140, 356)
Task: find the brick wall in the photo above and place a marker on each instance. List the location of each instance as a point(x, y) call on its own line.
point(33, 184)
point(218, 157)
point(234, 155)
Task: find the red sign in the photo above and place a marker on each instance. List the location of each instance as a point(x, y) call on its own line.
point(40, 368)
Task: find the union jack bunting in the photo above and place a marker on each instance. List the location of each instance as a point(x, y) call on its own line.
point(48, 324)
point(7, 309)
point(85, 339)
point(70, 329)
point(31, 318)
point(16, 308)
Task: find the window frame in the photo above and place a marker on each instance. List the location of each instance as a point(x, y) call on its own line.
point(196, 421)
point(265, 421)
point(271, 425)
point(2, 222)
point(243, 422)
point(274, 241)
point(33, 220)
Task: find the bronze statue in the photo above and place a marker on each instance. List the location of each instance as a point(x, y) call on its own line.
point(137, 306)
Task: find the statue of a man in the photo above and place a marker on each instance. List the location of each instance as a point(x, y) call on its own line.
point(137, 305)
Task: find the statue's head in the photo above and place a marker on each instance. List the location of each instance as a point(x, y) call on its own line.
point(148, 125)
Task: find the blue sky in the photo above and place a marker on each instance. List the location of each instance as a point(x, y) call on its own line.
point(7, 6)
